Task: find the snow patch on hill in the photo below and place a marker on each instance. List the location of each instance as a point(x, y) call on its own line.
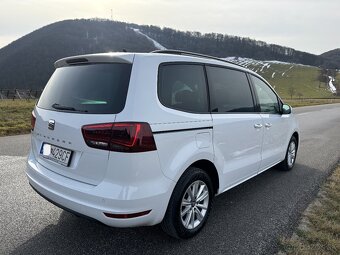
point(155, 43)
point(286, 71)
point(265, 63)
point(332, 88)
point(260, 66)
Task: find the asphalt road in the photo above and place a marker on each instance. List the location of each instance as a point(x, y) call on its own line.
point(248, 219)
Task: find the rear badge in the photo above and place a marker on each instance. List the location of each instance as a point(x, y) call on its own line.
point(51, 124)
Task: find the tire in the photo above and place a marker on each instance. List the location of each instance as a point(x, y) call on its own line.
point(289, 161)
point(192, 182)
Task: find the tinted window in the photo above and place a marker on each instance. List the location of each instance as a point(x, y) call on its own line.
point(97, 88)
point(183, 87)
point(267, 98)
point(229, 90)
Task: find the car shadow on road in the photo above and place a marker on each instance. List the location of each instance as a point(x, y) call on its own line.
point(248, 218)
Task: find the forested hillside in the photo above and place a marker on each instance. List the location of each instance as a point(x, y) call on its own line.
point(28, 61)
point(225, 45)
point(332, 58)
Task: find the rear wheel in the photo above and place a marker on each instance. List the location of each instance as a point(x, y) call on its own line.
point(190, 204)
point(289, 161)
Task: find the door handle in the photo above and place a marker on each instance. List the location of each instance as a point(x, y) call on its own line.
point(257, 125)
point(268, 125)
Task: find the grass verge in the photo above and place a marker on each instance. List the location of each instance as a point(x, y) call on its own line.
point(309, 102)
point(319, 230)
point(15, 116)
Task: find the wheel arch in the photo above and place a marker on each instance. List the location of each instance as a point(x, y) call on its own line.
point(210, 169)
point(296, 135)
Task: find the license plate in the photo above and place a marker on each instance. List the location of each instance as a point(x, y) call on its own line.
point(57, 154)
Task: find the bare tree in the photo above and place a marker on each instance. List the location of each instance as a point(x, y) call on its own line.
point(299, 94)
point(291, 91)
point(322, 76)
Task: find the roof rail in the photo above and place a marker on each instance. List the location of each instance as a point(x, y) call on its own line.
point(188, 53)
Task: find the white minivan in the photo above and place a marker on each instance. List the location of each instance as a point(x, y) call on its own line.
point(136, 139)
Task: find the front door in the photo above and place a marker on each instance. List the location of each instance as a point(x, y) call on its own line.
point(274, 123)
point(237, 128)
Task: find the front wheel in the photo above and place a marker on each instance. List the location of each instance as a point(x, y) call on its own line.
point(190, 204)
point(289, 161)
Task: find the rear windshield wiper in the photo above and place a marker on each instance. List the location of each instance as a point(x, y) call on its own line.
point(66, 108)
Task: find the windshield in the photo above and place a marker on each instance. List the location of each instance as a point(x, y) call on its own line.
point(93, 88)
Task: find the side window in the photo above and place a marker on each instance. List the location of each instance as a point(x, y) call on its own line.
point(229, 90)
point(183, 87)
point(267, 99)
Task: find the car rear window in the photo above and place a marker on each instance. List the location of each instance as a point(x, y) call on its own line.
point(93, 88)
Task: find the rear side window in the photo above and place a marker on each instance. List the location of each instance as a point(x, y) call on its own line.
point(94, 88)
point(183, 87)
point(229, 90)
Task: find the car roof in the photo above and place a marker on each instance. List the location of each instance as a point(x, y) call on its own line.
point(128, 57)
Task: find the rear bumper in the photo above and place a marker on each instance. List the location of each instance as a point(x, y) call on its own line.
point(107, 197)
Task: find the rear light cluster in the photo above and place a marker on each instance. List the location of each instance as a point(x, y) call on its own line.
point(121, 137)
point(33, 118)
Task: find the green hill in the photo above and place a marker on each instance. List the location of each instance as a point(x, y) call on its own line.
point(289, 79)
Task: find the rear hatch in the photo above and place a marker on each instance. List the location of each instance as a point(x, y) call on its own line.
point(78, 95)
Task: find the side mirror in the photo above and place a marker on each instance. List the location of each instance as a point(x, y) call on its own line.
point(286, 109)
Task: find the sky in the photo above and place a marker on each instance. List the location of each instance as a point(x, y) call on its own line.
point(306, 25)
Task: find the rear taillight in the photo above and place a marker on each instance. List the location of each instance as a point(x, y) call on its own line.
point(33, 118)
point(122, 137)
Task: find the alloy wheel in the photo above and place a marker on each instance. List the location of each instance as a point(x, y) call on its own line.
point(194, 204)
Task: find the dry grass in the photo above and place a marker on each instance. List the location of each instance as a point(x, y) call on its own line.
point(15, 116)
point(319, 231)
point(308, 102)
